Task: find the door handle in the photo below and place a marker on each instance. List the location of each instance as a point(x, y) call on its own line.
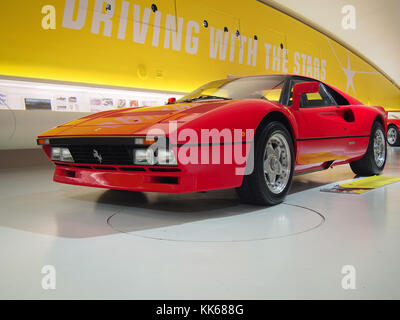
point(328, 113)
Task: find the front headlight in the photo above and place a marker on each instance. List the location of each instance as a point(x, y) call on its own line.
point(61, 154)
point(143, 157)
point(56, 154)
point(154, 157)
point(166, 157)
point(66, 155)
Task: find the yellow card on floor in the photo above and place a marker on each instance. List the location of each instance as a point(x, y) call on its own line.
point(360, 191)
point(370, 182)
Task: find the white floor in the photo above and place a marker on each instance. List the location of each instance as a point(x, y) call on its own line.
point(109, 244)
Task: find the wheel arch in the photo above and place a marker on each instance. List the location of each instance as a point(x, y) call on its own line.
point(277, 116)
point(378, 118)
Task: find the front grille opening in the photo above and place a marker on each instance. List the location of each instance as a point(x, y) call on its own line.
point(62, 165)
point(131, 169)
point(105, 168)
point(164, 169)
point(82, 167)
point(163, 180)
point(70, 173)
point(101, 154)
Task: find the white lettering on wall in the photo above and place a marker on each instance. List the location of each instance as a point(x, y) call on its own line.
point(192, 27)
point(267, 50)
point(124, 20)
point(242, 40)
point(68, 21)
point(276, 60)
point(140, 26)
point(218, 40)
point(170, 26)
point(252, 53)
point(100, 16)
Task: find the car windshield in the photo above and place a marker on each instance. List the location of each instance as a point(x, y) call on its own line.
point(258, 87)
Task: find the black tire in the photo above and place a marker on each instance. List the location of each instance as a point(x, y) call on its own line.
point(255, 189)
point(395, 139)
point(367, 165)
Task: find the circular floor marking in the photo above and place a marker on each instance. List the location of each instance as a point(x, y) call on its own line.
point(259, 224)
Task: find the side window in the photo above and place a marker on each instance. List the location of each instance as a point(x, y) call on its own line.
point(272, 94)
point(312, 100)
point(317, 99)
point(340, 100)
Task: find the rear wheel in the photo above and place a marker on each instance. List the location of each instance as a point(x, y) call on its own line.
point(272, 175)
point(374, 160)
point(393, 136)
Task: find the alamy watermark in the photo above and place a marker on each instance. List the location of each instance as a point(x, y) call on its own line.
point(349, 21)
point(208, 146)
point(349, 278)
point(49, 278)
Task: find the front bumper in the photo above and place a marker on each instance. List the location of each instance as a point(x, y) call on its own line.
point(125, 178)
point(180, 179)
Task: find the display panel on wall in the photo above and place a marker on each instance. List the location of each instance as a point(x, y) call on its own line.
point(37, 104)
point(3, 101)
point(395, 115)
point(26, 95)
point(175, 45)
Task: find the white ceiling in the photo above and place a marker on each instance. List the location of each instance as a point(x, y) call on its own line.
point(376, 36)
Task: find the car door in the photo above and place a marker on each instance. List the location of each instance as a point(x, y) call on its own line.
point(356, 129)
point(321, 127)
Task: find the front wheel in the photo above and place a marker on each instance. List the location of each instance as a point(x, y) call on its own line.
point(374, 160)
point(272, 175)
point(393, 136)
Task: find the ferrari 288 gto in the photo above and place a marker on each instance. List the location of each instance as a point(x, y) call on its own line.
point(250, 133)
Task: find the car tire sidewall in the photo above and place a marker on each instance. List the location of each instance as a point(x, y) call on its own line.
point(377, 126)
point(262, 139)
point(396, 142)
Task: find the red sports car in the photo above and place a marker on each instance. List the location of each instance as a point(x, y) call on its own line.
point(250, 133)
point(393, 124)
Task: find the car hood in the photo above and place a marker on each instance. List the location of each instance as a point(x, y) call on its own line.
point(136, 121)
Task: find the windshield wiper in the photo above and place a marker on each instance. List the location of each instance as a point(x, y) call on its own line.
point(206, 97)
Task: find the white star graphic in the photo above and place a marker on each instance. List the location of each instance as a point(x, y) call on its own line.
point(349, 75)
point(348, 71)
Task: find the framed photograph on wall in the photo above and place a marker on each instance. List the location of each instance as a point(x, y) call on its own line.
point(3, 101)
point(37, 104)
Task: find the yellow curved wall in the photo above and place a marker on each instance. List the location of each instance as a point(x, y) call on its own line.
point(139, 48)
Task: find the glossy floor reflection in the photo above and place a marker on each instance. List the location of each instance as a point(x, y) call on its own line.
point(111, 244)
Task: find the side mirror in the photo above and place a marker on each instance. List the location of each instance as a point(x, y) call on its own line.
point(171, 100)
point(301, 88)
